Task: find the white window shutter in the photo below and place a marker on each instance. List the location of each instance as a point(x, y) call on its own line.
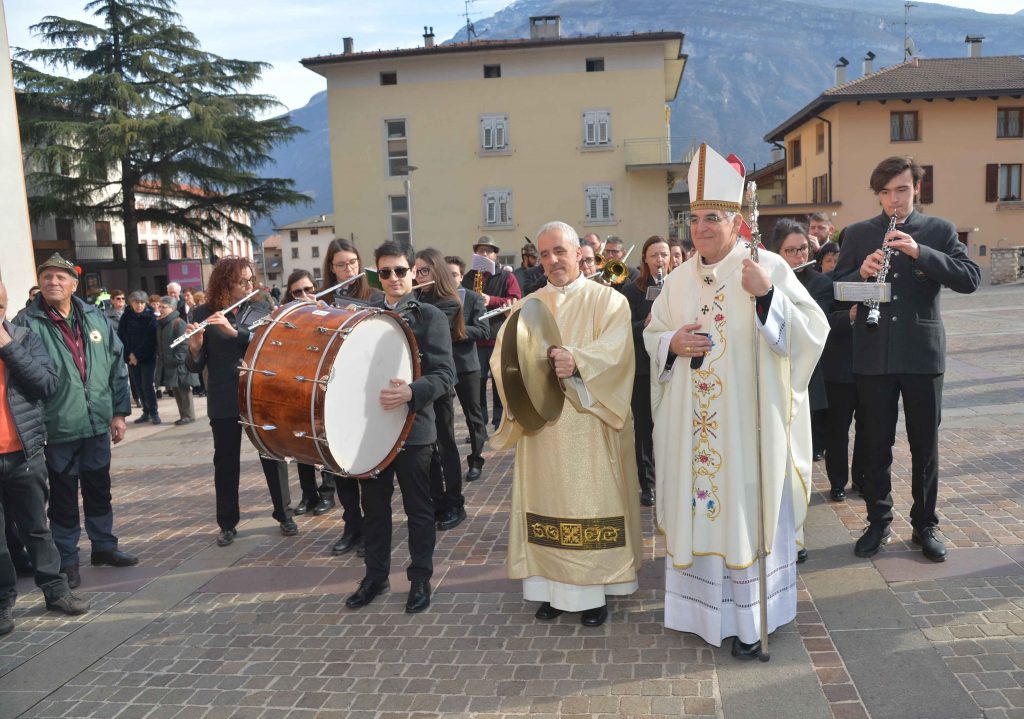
point(491, 209)
point(591, 130)
point(602, 130)
point(486, 134)
point(606, 206)
point(499, 135)
point(504, 216)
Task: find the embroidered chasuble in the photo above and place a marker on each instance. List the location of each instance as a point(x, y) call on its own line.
point(705, 436)
point(575, 505)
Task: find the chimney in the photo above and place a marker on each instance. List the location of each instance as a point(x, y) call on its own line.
point(776, 153)
point(428, 36)
point(347, 42)
point(974, 45)
point(869, 66)
point(841, 70)
point(545, 27)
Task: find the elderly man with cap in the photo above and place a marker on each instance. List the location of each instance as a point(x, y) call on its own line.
point(714, 313)
point(83, 416)
point(498, 288)
point(529, 275)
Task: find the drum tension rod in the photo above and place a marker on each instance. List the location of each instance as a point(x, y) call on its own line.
point(323, 382)
point(343, 330)
point(305, 435)
point(264, 427)
point(286, 323)
point(267, 372)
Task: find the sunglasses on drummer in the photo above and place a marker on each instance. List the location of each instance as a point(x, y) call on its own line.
point(385, 272)
point(300, 291)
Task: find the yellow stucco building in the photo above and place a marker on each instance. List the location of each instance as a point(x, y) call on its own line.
point(443, 144)
point(960, 118)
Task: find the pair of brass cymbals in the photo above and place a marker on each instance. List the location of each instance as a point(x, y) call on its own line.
point(533, 393)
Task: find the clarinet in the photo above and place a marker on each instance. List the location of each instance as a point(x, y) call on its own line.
point(874, 314)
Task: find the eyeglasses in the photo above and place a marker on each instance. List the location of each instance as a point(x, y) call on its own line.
point(589, 261)
point(794, 251)
point(300, 291)
point(694, 220)
point(247, 282)
point(385, 272)
point(422, 272)
point(353, 263)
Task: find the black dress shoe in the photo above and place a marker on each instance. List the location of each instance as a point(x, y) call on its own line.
point(368, 589)
point(289, 528)
point(801, 556)
point(546, 612)
point(226, 537)
point(474, 474)
point(837, 495)
point(419, 596)
point(451, 519)
point(346, 544)
point(647, 497)
point(113, 558)
point(931, 546)
point(325, 505)
point(594, 617)
point(818, 456)
point(300, 509)
point(874, 537)
point(73, 575)
point(744, 651)
point(142, 420)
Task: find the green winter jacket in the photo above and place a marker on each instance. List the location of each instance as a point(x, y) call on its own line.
point(80, 410)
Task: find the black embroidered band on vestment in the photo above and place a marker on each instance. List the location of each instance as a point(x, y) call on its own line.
point(597, 533)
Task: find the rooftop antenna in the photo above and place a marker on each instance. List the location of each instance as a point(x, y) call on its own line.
point(908, 44)
point(471, 32)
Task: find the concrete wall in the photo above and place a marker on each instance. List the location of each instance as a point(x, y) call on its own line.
point(17, 267)
point(544, 92)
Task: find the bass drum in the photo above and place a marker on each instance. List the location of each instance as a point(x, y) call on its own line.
point(310, 386)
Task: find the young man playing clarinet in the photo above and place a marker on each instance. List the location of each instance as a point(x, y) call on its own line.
point(903, 352)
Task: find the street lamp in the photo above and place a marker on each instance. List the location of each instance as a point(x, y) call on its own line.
point(407, 170)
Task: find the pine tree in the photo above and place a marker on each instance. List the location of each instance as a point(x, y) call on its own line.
point(146, 107)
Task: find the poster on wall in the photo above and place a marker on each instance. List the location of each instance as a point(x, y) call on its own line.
point(188, 273)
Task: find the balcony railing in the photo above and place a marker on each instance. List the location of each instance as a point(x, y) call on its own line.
point(655, 151)
point(94, 253)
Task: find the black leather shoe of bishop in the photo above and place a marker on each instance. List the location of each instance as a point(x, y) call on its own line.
point(873, 538)
point(546, 612)
point(801, 556)
point(419, 596)
point(746, 652)
point(473, 474)
point(837, 495)
point(367, 591)
point(594, 617)
point(930, 545)
point(647, 497)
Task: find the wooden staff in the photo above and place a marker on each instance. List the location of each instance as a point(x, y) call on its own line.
point(762, 547)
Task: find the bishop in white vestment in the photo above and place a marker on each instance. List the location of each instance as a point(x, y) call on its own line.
point(702, 340)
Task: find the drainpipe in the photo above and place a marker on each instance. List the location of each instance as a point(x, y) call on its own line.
point(829, 123)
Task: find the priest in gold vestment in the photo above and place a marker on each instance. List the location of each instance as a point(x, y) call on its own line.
point(714, 312)
point(574, 534)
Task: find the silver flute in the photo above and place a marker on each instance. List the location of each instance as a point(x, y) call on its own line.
point(874, 313)
point(202, 325)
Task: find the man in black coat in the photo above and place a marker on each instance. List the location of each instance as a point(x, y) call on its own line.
point(467, 368)
point(529, 275)
point(412, 465)
point(27, 376)
point(905, 354)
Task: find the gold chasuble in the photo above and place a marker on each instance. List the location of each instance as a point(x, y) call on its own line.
point(704, 419)
point(575, 506)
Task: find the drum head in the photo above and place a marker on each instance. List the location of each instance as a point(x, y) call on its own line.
point(360, 433)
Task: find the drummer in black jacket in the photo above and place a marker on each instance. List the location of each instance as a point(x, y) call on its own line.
point(905, 353)
point(656, 256)
point(412, 465)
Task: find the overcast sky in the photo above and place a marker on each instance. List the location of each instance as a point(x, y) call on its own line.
point(281, 33)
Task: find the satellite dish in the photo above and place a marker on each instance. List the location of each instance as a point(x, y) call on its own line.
point(910, 47)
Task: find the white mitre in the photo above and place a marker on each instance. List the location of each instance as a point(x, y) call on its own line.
point(715, 184)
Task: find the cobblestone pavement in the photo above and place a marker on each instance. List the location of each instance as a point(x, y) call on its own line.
point(258, 629)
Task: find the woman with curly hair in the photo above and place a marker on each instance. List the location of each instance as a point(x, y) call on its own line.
point(219, 348)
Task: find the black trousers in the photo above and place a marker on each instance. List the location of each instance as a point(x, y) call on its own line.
point(467, 389)
point(348, 494)
point(142, 375)
point(878, 403)
point(23, 497)
point(819, 430)
point(307, 483)
point(445, 462)
point(842, 407)
point(643, 430)
point(484, 353)
point(227, 468)
point(412, 467)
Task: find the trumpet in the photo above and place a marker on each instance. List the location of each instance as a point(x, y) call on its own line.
point(613, 272)
point(202, 325)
